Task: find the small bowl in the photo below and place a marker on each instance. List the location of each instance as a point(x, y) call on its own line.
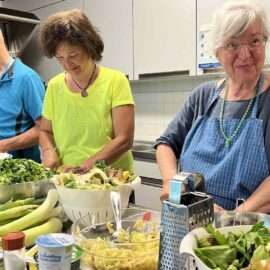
point(101, 252)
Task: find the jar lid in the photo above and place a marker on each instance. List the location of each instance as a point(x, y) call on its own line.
point(13, 241)
point(55, 240)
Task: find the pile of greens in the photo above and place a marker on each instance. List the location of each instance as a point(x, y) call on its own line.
point(235, 250)
point(22, 170)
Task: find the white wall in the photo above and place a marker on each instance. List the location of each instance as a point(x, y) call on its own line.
point(157, 101)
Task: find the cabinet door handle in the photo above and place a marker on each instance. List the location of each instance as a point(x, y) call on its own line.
point(163, 74)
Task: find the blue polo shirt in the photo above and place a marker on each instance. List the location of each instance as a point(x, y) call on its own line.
point(21, 97)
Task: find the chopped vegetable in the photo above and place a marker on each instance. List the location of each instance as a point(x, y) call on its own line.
point(221, 256)
point(101, 164)
point(219, 237)
point(22, 170)
point(136, 249)
point(98, 178)
point(235, 251)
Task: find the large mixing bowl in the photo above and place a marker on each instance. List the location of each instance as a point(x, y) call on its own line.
point(25, 190)
point(232, 218)
point(135, 249)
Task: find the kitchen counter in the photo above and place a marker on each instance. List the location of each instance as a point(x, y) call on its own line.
point(143, 150)
point(145, 165)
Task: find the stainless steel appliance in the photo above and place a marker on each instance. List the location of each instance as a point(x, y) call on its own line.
point(18, 28)
point(145, 165)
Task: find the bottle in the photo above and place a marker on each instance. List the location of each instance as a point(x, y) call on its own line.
point(14, 251)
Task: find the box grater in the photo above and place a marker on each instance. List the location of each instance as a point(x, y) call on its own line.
point(196, 210)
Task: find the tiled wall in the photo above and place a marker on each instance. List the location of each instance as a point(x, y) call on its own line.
point(157, 101)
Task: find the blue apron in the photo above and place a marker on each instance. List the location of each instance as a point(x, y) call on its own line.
point(230, 172)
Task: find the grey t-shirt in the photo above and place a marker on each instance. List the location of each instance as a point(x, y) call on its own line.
point(197, 105)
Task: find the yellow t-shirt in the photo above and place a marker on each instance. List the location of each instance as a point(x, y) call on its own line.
point(83, 125)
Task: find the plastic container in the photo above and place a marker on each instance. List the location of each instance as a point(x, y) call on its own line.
point(14, 251)
point(55, 251)
point(101, 252)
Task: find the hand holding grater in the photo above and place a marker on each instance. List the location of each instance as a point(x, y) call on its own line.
point(185, 182)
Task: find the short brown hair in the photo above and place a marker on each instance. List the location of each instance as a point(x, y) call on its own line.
point(71, 26)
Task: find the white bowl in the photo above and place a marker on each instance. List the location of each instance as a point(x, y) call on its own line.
point(189, 242)
point(96, 204)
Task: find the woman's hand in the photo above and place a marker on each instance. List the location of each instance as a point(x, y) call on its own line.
point(218, 208)
point(86, 166)
point(164, 193)
point(50, 158)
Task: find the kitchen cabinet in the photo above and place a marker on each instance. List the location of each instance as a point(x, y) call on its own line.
point(164, 37)
point(148, 193)
point(148, 197)
point(28, 5)
point(114, 22)
point(205, 11)
point(145, 38)
point(33, 56)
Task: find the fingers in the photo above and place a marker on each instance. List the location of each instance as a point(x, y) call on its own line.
point(68, 169)
point(164, 197)
point(77, 170)
point(218, 208)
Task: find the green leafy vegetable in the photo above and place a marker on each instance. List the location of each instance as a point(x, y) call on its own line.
point(220, 238)
point(235, 250)
point(101, 164)
point(22, 170)
point(221, 256)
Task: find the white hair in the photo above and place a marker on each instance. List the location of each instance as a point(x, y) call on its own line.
point(233, 19)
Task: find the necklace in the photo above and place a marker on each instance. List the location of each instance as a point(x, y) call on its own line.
point(83, 89)
point(229, 139)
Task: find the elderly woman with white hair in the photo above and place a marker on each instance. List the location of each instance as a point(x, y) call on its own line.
point(223, 129)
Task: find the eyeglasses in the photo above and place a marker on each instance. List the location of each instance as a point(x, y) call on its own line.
point(253, 45)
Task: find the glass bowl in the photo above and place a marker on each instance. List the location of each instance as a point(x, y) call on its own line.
point(136, 248)
point(232, 218)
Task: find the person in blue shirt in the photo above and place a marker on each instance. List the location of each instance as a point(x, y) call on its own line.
point(223, 129)
point(21, 97)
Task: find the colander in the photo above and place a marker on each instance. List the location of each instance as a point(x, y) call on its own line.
point(96, 204)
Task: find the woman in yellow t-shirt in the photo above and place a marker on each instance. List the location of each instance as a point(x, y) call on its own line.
point(88, 111)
